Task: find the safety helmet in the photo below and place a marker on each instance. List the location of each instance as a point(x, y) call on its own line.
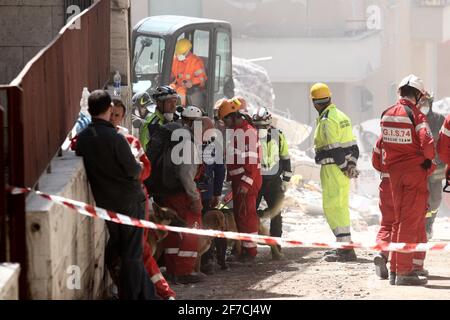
point(413, 81)
point(163, 93)
point(262, 117)
point(227, 107)
point(320, 91)
point(141, 99)
point(192, 113)
point(183, 46)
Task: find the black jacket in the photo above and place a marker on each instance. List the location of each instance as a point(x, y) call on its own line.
point(111, 168)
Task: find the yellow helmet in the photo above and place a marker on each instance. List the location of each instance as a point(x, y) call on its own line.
point(183, 46)
point(320, 91)
point(226, 107)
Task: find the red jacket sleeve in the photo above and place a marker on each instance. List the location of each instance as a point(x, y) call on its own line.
point(425, 136)
point(444, 142)
point(251, 166)
point(377, 161)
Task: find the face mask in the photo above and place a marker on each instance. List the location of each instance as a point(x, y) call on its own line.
point(181, 57)
point(425, 110)
point(168, 117)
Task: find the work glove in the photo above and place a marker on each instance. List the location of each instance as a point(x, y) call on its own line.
point(285, 186)
point(351, 172)
point(427, 164)
point(196, 206)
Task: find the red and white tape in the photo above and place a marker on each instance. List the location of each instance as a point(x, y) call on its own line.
point(96, 212)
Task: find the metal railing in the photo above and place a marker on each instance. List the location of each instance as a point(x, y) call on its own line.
point(43, 105)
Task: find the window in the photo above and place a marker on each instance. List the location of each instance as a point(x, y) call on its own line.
point(223, 78)
point(148, 59)
point(201, 43)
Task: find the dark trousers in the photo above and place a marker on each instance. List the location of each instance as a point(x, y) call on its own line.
point(273, 194)
point(124, 249)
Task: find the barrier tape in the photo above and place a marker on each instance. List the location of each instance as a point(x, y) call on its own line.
point(95, 212)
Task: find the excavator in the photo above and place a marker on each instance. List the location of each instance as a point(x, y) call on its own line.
point(153, 48)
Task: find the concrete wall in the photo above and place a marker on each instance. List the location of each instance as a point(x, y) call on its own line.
point(61, 243)
point(9, 281)
point(26, 26)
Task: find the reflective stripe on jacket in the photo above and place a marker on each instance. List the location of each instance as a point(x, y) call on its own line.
point(192, 69)
point(407, 139)
point(334, 140)
point(153, 119)
point(275, 155)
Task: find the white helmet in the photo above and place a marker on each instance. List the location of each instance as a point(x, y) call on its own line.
point(192, 112)
point(262, 117)
point(414, 82)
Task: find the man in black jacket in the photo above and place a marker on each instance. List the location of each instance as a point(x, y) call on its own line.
point(113, 174)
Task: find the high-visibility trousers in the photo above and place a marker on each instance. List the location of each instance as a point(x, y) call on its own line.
point(335, 193)
point(181, 250)
point(410, 195)
point(387, 210)
point(247, 221)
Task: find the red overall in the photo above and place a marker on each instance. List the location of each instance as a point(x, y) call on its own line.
point(181, 250)
point(407, 143)
point(386, 203)
point(245, 170)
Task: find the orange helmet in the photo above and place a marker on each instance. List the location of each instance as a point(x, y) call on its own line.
point(227, 107)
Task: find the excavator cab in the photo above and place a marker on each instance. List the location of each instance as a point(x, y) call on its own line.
point(153, 51)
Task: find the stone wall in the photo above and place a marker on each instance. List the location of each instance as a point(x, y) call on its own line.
point(65, 249)
point(26, 26)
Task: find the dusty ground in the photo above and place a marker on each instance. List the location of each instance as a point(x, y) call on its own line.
point(303, 275)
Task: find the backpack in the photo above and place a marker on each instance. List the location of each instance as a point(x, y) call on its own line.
point(164, 178)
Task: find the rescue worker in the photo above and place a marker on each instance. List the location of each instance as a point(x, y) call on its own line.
point(338, 153)
point(409, 152)
point(140, 101)
point(436, 121)
point(181, 250)
point(210, 186)
point(188, 71)
point(162, 287)
point(243, 170)
point(166, 101)
point(386, 206)
point(276, 168)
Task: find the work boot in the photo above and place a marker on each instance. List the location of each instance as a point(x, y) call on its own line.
point(422, 273)
point(411, 279)
point(246, 258)
point(190, 278)
point(342, 255)
point(392, 277)
point(381, 270)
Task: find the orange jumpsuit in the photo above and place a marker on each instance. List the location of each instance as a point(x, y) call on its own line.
point(193, 69)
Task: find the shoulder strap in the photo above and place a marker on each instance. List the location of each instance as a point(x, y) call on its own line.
point(410, 114)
